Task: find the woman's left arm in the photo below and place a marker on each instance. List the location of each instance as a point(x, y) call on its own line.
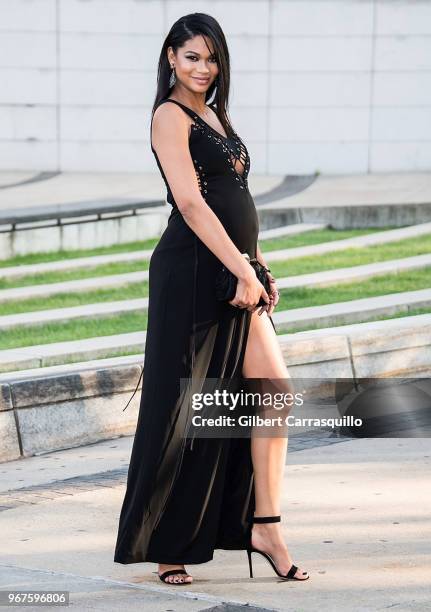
point(259, 256)
point(274, 295)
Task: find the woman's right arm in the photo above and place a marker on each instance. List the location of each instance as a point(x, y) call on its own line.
point(170, 139)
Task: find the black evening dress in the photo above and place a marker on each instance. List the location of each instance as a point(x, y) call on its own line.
point(186, 497)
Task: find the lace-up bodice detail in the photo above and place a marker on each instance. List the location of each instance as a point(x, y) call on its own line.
point(237, 154)
point(229, 158)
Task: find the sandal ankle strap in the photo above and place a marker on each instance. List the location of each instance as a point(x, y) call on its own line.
point(266, 519)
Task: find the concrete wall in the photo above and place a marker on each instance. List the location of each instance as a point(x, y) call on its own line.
point(335, 86)
point(87, 232)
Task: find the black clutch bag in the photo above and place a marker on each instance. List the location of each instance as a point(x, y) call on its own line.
point(226, 282)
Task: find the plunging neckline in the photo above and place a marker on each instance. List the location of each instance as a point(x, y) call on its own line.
point(226, 141)
point(203, 120)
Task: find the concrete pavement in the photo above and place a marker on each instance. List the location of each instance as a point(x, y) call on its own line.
point(355, 515)
point(27, 189)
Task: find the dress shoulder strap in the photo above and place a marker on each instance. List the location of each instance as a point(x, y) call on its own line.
point(186, 109)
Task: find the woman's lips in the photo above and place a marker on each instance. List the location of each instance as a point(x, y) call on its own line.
point(201, 80)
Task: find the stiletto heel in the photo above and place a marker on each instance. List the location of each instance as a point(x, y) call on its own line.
point(250, 549)
point(249, 563)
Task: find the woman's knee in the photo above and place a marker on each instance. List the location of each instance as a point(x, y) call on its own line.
point(263, 356)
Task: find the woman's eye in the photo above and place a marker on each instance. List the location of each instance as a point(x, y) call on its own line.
point(193, 57)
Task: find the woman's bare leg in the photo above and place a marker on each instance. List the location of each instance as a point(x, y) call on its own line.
point(264, 359)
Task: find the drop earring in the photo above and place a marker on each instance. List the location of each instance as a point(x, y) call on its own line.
point(173, 78)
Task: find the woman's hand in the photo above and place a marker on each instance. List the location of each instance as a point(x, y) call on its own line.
point(248, 292)
point(274, 296)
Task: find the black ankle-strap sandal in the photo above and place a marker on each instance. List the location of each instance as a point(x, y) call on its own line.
point(250, 549)
point(170, 573)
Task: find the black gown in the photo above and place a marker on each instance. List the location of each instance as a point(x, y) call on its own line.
point(185, 496)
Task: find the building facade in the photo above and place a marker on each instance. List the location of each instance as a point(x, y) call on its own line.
point(330, 86)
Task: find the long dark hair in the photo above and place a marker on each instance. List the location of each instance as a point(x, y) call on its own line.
point(183, 30)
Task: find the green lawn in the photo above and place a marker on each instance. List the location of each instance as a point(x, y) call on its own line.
point(79, 273)
point(316, 237)
point(311, 237)
point(302, 297)
point(289, 299)
point(64, 300)
point(121, 353)
point(409, 247)
point(314, 263)
point(398, 315)
point(34, 258)
point(74, 330)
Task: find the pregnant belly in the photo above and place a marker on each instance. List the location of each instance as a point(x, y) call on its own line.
point(238, 215)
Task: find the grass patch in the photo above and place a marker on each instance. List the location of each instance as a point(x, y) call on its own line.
point(74, 330)
point(301, 297)
point(314, 263)
point(398, 315)
point(316, 237)
point(33, 258)
point(311, 237)
point(66, 300)
point(132, 351)
point(78, 274)
point(329, 261)
point(289, 299)
point(409, 247)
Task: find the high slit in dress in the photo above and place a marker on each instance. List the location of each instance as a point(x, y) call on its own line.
point(186, 497)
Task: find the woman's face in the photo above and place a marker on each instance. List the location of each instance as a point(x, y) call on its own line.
point(195, 64)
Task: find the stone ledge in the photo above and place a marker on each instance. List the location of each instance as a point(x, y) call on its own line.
point(42, 389)
point(68, 406)
point(5, 397)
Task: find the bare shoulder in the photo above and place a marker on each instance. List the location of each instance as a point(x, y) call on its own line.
point(169, 119)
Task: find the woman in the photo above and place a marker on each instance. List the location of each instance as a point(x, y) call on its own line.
point(185, 498)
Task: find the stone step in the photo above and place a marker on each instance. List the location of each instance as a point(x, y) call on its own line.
point(384, 237)
point(118, 280)
point(326, 278)
point(303, 350)
point(78, 366)
point(100, 309)
point(111, 281)
point(285, 321)
point(353, 311)
point(50, 408)
point(100, 260)
point(74, 264)
point(57, 352)
point(86, 311)
point(290, 230)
